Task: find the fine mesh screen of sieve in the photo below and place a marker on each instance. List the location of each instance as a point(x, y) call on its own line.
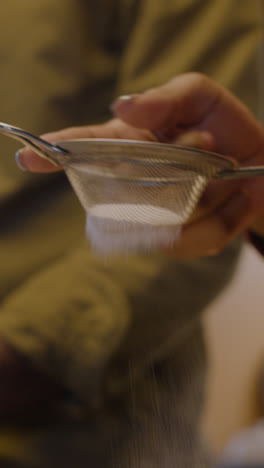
point(137, 195)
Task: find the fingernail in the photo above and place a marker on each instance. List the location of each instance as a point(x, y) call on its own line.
point(122, 103)
point(18, 160)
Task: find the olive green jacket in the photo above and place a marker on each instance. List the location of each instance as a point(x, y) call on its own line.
point(100, 326)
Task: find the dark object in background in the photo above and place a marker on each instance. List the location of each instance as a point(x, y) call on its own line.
point(6, 463)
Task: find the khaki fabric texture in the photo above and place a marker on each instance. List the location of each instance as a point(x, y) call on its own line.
point(99, 326)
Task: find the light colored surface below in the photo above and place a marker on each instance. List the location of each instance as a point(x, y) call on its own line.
point(235, 333)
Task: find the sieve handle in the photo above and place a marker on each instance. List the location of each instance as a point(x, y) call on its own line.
point(241, 173)
point(54, 154)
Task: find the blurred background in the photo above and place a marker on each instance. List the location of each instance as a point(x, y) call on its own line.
point(234, 326)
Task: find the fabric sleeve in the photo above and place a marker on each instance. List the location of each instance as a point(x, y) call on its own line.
point(209, 37)
point(83, 321)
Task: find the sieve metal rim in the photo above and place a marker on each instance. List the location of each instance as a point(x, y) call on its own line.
point(98, 148)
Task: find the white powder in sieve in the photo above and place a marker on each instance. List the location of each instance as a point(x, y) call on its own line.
point(126, 227)
point(136, 213)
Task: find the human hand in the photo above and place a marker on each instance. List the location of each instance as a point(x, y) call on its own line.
point(114, 128)
point(28, 160)
point(193, 102)
point(190, 110)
